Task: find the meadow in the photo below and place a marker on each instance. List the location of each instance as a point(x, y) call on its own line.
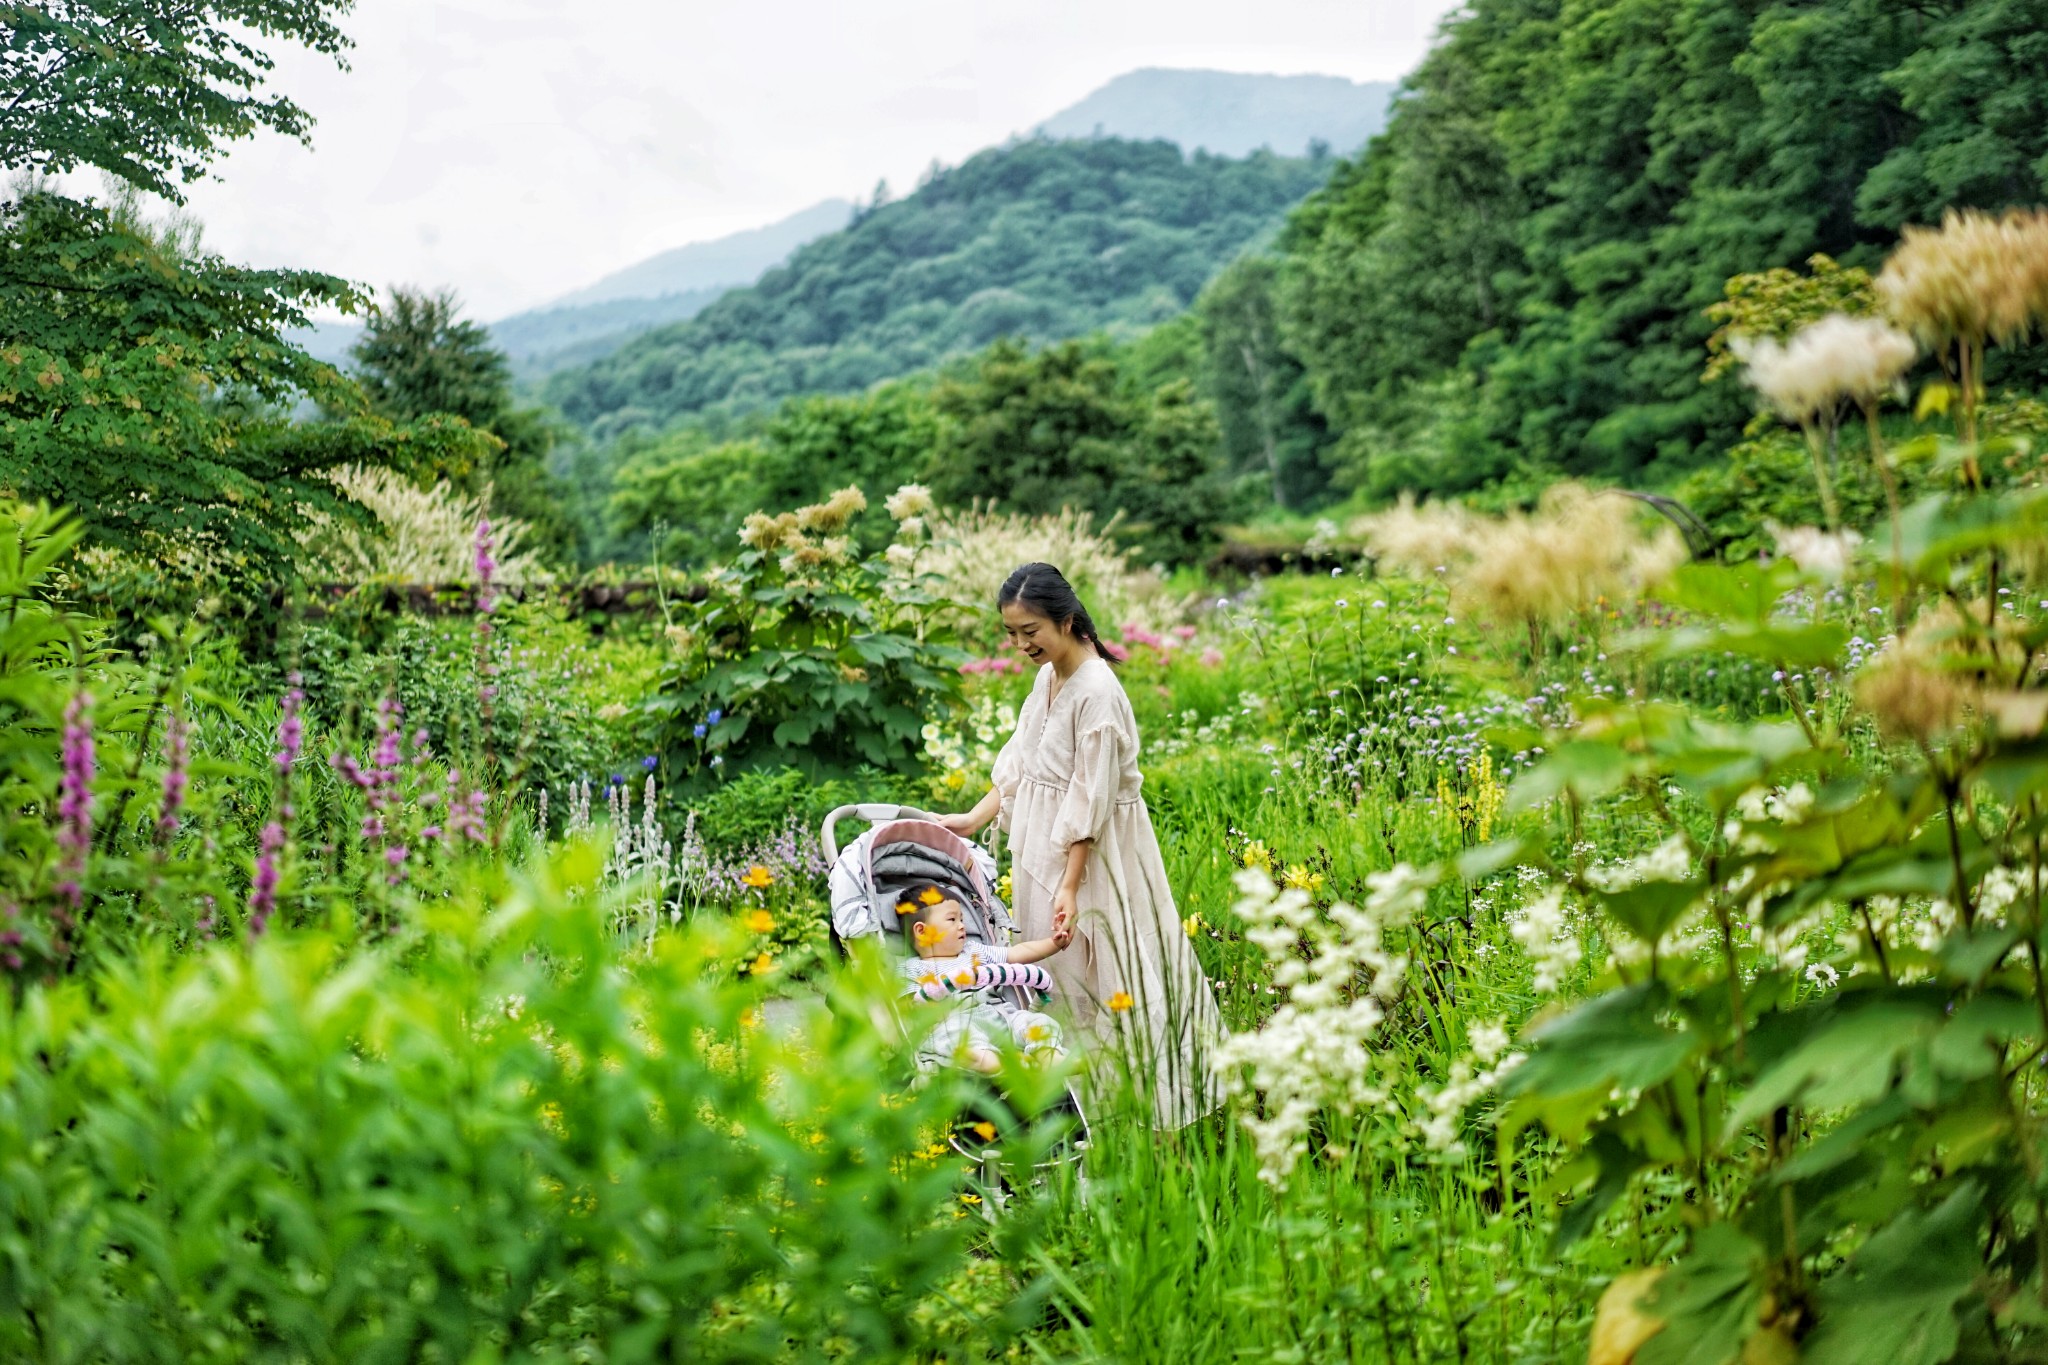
point(1621, 872)
point(1624, 955)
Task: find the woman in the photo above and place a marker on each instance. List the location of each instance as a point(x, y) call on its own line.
point(1083, 854)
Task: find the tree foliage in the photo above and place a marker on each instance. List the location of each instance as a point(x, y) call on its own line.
point(1043, 240)
point(1063, 427)
point(1516, 272)
point(151, 392)
point(418, 357)
point(148, 90)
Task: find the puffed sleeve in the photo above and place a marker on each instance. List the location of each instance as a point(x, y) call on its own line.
point(1090, 801)
point(1008, 773)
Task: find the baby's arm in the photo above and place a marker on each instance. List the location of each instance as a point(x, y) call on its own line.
point(1037, 949)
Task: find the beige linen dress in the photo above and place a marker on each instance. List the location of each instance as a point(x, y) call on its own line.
point(1129, 979)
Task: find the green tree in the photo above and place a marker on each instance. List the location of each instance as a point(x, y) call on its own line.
point(1517, 273)
point(1064, 426)
point(142, 381)
point(699, 489)
point(1270, 429)
point(418, 357)
point(151, 392)
point(148, 90)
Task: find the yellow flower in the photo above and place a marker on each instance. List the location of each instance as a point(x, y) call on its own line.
point(970, 1199)
point(1003, 887)
point(964, 979)
point(1257, 855)
point(931, 895)
point(1300, 878)
point(1121, 1001)
point(763, 965)
point(760, 921)
point(922, 933)
point(758, 877)
point(986, 1131)
point(1193, 925)
point(1038, 1033)
point(929, 978)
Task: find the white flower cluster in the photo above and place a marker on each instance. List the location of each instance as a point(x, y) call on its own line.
point(968, 752)
point(1471, 1077)
point(1315, 1051)
point(1549, 938)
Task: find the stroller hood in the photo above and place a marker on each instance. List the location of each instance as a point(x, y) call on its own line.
point(872, 870)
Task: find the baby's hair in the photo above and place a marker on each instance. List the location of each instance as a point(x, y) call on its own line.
point(919, 902)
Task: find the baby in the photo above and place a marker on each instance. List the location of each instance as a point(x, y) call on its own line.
point(948, 967)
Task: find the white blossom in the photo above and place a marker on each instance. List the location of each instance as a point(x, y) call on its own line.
point(1545, 935)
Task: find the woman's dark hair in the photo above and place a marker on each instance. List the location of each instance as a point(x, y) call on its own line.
point(1045, 590)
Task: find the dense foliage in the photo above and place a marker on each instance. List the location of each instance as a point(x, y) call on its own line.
point(1515, 273)
point(418, 357)
point(149, 387)
point(1039, 239)
point(148, 90)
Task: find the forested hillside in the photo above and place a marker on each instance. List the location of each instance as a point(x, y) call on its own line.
point(1040, 240)
point(1512, 277)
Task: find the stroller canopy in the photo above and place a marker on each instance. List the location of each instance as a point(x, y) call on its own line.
point(871, 874)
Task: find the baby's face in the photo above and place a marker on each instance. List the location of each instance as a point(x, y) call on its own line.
point(943, 933)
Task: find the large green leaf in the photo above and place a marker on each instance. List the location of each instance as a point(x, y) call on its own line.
point(1895, 1301)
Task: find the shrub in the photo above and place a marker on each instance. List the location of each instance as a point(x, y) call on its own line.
point(805, 652)
point(508, 1146)
point(422, 535)
point(973, 551)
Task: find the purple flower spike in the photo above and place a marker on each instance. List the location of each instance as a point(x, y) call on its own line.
point(177, 774)
point(74, 800)
point(486, 567)
point(263, 886)
point(291, 732)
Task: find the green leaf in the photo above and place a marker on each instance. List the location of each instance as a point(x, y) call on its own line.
point(1614, 1040)
point(1847, 1057)
point(1709, 1301)
point(1648, 909)
point(1895, 1301)
point(1589, 768)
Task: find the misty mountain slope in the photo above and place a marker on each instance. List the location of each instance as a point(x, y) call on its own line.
point(737, 258)
point(1042, 239)
point(1229, 113)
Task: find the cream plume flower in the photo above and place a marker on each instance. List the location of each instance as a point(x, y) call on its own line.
point(911, 500)
point(1837, 358)
point(833, 513)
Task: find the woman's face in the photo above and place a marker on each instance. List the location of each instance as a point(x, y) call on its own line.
point(1042, 641)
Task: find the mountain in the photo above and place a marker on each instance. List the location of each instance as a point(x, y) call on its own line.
point(718, 264)
point(1041, 239)
point(594, 321)
point(1229, 113)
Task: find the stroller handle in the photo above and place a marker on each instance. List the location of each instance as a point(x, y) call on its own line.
point(874, 812)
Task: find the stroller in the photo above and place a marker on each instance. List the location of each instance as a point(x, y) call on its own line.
point(904, 846)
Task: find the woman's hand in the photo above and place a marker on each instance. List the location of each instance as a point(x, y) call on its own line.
point(1065, 906)
point(969, 823)
point(964, 824)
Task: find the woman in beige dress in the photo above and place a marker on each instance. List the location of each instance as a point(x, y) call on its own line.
point(1066, 790)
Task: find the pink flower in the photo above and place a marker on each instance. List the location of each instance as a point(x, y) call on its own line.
point(177, 774)
point(1116, 651)
point(1184, 633)
point(486, 568)
point(263, 885)
point(1211, 657)
point(74, 801)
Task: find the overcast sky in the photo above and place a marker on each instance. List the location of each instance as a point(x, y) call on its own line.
point(518, 149)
